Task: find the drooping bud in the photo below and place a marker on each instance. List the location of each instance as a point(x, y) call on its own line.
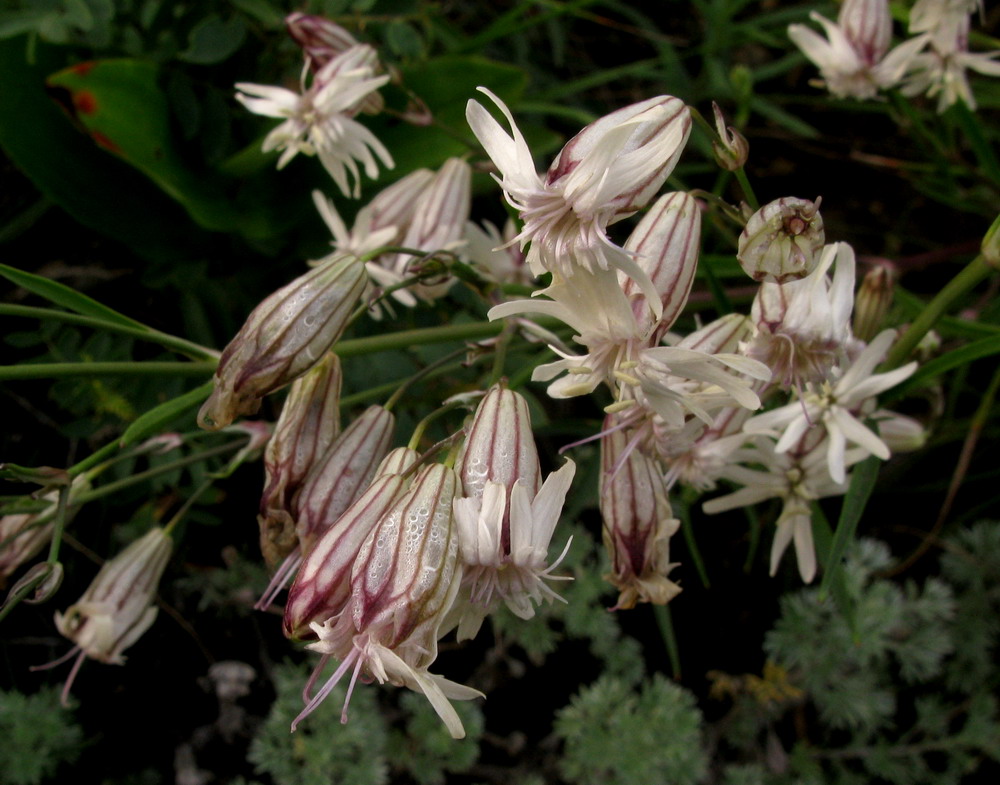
point(731, 149)
point(117, 608)
point(500, 447)
point(284, 337)
point(665, 245)
point(340, 475)
point(323, 584)
point(404, 580)
point(638, 522)
point(308, 425)
point(438, 224)
point(873, 301)
point(320, 39)
point(781, 240)
point(867, 25)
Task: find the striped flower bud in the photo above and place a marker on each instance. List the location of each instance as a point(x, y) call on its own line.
point(308, 425)
point(500, 448)
point(873, 301)
point(284, 337)
point(638, 522)
point(781, 241)
point(332, 485)
point(342, 473)
point(665, 245)
point(438, 224)
point(323, 584)
point(117, 607)
point(404, 580)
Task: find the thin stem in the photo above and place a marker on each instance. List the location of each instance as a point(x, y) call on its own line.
point(422, 374)
point(500, 353)
point(166, 340)
point(187, 506)
point(63, 370)
point(62, 509)
point(749, 195)
point(418, 431)
point(976, 271)
point(404, 339)
point(666, 624)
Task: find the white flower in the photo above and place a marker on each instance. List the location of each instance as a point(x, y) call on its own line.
point(803, 327)
point(318, 121)
point(607, 171)
point(941, 70)
point(797, 479)
point(517, 578)
point(836, 407)
point(852, 59)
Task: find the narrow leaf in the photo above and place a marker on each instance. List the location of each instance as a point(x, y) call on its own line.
point(156, 419)
point(65, 296)
point(863, 479)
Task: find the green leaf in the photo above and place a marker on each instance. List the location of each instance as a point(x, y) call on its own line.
point(103, 96)
point(214, 40)
point(65, 296)
point(158, 418)
point(984, 347)
point(74, 173)
point(863, 478)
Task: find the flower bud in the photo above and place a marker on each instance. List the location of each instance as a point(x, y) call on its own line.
point(731, 150)
point(638, 522)
point(308, 425)
point(340, 475)
point(438, 224)
point(781, 240)
point(403, 576)
point(320, 39)
point(117, 608)
point(665, 245)
point(500, 448)
point(721, 336)
point(636, 147)
point(867, 25)
point(283, 338)
point(323, 584)
point(873, 301)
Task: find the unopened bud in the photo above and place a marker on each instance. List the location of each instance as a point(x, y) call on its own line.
point(116, 609)
point(867, 25)
point(340, 475)
point(731, 149)
point(321, 40)
point(781, 241)
point(323, 584)
point(638, 522)
point(308, 425)
point(500, 448)
point(873, 300)
point(665, 245)
point(44, 580)
point(284, 337)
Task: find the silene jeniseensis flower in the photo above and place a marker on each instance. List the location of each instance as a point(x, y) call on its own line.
point(319, 119)
point(606, 172)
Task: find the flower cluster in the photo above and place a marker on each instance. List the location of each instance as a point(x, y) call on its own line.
point(855, 59)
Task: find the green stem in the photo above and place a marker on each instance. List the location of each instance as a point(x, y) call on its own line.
point(62, 509)
point(423, 373)
point(181, 345)
point(976, 271)
point(751, 197)
point(666, 624)
point(64, 370)
point(407, 338)
point(126, 482)
point(187, 506)
point(92, 460)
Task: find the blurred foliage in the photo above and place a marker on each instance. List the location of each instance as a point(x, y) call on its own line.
point(39, 736)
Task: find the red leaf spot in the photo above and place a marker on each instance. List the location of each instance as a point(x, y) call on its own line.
point(83, 68)
point(85, 102)
point(106, 142)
